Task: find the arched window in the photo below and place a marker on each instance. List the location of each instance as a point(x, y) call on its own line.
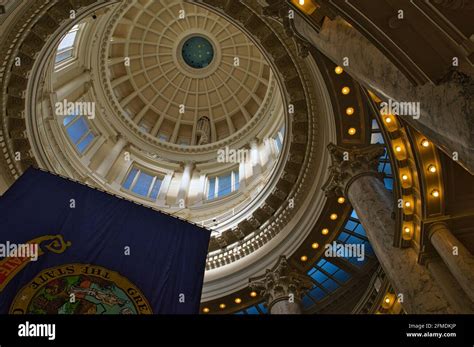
point(67, 45)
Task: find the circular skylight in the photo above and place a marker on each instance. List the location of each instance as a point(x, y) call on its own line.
point(198, 52)
point(181, 72)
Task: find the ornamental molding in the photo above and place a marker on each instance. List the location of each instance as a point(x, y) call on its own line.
point(292, 176)
point(128, 124)
point(35, 27)
point(282, 282)
point(348, 164)
point(294, 78)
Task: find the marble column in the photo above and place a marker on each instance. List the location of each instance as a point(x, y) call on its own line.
point(453, 291)
point(353, 173)
point(109, 160)
point(185, 182)
point(445, 109)
point(457, 258)
point(282, 287)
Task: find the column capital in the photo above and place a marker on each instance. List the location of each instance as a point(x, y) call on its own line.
point(115, 138)
point(190, 164)
point(254, 141)
point(438, 226)
point(279, 283)
point(348, 164)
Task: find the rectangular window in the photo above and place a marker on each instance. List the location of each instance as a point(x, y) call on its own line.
point(65, 50)
point(129, 181)
point(278, 142)
point(77, 129)
point(223, 185)
point(79, 132)
point(143, 184)
point(236, 180)
point(212, 188)
point(156, 189)
point(65, 55)
point(279, 139)
point(84, 144)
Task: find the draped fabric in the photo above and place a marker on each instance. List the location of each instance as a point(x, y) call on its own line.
point(97, 253)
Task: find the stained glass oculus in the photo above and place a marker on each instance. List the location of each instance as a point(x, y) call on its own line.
point(198, 52)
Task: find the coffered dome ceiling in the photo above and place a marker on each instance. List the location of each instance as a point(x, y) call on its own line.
point(173, 83)
point(173, 63)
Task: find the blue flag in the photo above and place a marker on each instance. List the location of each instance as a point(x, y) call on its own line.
point(66, 248)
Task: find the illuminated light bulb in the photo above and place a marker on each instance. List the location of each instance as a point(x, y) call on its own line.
point(205, 310)
point(302, 2)
point(425, 143)
point(398, 149)
point(352, 131)
point(350, 111)
point(408, 204)
point(404, 177)
point(325, 231)
point(341, 200)
point(432, 168)
point(388, 120)
point(435, 193)
point(388, 301)
point(339, 70)
point(407, 230)
point(315, 245)
point(253, 294)
point(304, 258)
point(333, 216)
point(238, 300)
point(346, 90)
point(222, 306)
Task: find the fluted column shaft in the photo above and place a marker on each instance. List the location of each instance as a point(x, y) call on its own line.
point(457, 258)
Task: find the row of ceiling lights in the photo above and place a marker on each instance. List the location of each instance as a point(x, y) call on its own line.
point(341, 200)
point(324, 231)
point(237, 300)
point(346, 91)
point(401, 152)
